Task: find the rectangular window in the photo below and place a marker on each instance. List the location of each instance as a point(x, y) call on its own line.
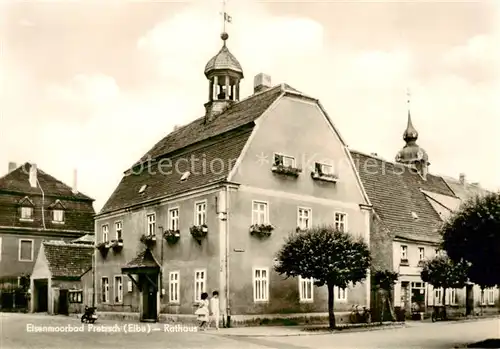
point(260, 285)
point(306, 292)
point(490, 296)
point(200, 213)
point(173, 287)
point(105, 289)
point(173, 219)
point(284, 160)
point(105, 233)
point(58, 216)
point(404, 253)
point(421, 253)
point(340, 221)
point(75, 296)
point(151, 219)
point(26, 212)
point(118, 289)
point(118, 230)
point(304, 218)
point(452, 296)
point(25, 250)
point(323, 169)
point(200, 283)
point(340, 294)
point(438, 296)
point(260, 213)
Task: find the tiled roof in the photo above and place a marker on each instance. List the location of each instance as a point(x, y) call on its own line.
point(218, 142)
point(144, 259)
point(18, 181)
point(466, 190)
point(237, 115)
point(395, 192)
point(68, 260)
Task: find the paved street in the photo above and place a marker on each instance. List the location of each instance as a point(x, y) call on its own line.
point(15, 334)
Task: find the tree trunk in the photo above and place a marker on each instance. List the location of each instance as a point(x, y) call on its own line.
point(331, 314)
point(391, 307)
point(382, 305)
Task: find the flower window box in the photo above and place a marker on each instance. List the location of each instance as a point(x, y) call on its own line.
point(117, 245)
point(148, 240)
point(261, 230)
point(172, 236)
point(404, 262)
point(199, 232)
point(324, 172)
point(285, 165)
point(103, 247)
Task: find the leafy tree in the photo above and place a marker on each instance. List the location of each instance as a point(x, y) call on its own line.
point(330, 257)
point(383, 282)
point(472, 234)
point(442, 272)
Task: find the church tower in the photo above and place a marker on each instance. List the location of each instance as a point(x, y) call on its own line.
point(224, 74)
point(412, 154)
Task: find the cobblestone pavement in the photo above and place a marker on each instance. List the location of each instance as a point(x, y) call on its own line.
point(17, 332)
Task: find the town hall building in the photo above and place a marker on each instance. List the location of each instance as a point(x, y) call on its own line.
point(209, 206)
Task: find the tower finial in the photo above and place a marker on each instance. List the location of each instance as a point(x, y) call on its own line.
point(226, 18)
point(410, 134)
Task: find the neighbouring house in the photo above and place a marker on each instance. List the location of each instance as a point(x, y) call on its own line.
point(409, 205)
point(208, 207)
point(35, 206)
point(62, 282)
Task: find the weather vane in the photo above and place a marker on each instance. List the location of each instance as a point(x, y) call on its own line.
point(226, 17)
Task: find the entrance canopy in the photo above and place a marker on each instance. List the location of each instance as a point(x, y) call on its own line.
point(144, 263)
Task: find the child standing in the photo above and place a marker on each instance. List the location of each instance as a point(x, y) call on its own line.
point(203, 311)
point(214, 308)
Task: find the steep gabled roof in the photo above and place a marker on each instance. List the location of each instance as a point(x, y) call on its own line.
point(237, 115)
point(18, 181)
point(215, 145)
point(396, 195)
point(67, 260)
point(144, 259)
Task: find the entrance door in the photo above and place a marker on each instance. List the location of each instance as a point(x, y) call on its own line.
point(41, 296)
point(469, 300)
point(152, 303)
point(149, 298)
point(63, 302)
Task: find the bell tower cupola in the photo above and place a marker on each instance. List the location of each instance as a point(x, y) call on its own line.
point(224, 74)
point(412, 154)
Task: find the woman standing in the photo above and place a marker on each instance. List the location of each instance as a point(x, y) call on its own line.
point(202, 312)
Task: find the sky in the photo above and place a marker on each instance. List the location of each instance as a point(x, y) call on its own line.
point(94, 85)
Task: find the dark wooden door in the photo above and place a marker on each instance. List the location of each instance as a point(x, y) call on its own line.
point(42, 298)
point(63, 302)
point(152, 303)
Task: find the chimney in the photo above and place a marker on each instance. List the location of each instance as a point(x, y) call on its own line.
point(74, 189)
point(374, 154)
point(461, 178)
point(33, 176)
point(176, 127)
point(12, 166)
point(261, 82)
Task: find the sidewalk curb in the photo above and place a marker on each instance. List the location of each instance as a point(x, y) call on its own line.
point(301, 332)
